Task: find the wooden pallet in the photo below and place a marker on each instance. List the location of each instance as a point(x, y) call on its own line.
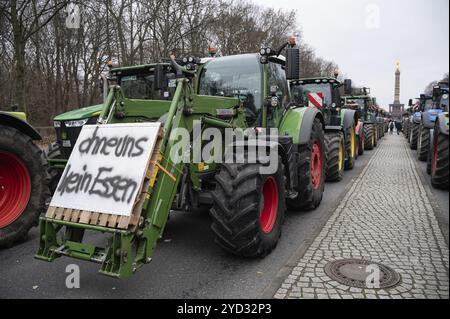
point(108, 220)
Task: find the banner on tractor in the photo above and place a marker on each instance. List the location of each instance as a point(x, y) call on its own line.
point(106, 168)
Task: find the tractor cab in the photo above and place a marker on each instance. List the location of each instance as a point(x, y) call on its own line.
point(440, 96)
point(145, 82)
point(322, 93)
point(365, 104)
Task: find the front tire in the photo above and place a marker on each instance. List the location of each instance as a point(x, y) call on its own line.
point(369, 138)
point(350, 149)
point(334, 152)
point(23, 185)
point(439, 161)
point(311, 171)
point(248, 209)
point(414, 137)
point(423, 144)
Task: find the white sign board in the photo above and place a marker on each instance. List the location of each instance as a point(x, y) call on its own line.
point(106, 168)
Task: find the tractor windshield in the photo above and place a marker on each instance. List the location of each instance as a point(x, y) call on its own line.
point(141, 86)
point(302, 91)
point(235, 76)
point(361, 103)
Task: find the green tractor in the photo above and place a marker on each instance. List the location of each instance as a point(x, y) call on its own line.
point(247, 91)
point(23, 178)
point(340, 124)
point(367, 129)
point(438, 163)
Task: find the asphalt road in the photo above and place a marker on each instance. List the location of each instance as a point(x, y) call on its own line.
point(186, 262)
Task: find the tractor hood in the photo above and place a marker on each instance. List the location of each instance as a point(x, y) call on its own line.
point(79, 114)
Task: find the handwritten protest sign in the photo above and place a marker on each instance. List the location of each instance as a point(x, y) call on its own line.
point(106, 168)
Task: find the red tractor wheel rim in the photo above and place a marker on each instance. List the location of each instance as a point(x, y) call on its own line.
point(435, 155)
point(15, 188)
point(270, 208)
point(316, 166)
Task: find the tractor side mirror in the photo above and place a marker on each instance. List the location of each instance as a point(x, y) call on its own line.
point(292, 63)
point(347, 87)
point(410, 102)
point(160, 80)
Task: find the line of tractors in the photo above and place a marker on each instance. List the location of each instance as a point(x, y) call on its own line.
point(426, 128)
point(323, 125)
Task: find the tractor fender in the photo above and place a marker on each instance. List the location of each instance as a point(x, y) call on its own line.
point(430, 117)
point(298, 123)
point(442, 122)
point(349, 118)
point(7, 119)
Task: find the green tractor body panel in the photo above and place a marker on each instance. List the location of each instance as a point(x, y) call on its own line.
point(292, 123)
point(80, 114)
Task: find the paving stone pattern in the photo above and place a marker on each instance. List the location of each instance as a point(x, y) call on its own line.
point(386, 217)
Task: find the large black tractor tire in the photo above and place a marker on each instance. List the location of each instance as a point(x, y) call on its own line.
point(334, 152)
point(311, 171)
point(369, 138)
point(53, 151)
point(439, 161)
point(23, 185)
point(350, 148)
point(423, 144)
point(405, 130)
point(414, 137)
point(248, 209)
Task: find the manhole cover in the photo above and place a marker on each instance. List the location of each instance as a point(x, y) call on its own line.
point(354, 272)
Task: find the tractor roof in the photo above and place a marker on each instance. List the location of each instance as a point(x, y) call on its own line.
point(136, 68)
point(317, 80)
point(357, 97)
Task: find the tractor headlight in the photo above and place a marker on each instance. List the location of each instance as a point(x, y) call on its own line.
point(77, 123)
point(57, 124)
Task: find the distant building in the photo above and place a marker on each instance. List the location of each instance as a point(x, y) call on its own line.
point(397, 109)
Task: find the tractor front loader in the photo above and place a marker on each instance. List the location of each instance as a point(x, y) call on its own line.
point(243, 92)
point(23, 178)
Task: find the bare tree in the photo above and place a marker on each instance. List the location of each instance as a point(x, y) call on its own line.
point(26, 17)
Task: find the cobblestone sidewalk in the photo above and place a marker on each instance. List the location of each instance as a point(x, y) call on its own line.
point(386, 217)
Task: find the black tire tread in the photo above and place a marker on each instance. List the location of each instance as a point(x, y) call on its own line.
point(22, 145)
point(332, 142)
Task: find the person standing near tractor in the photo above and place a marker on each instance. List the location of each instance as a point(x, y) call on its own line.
point(391, 127)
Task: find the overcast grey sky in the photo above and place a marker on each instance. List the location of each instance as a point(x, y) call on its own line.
point(366, 47)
